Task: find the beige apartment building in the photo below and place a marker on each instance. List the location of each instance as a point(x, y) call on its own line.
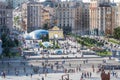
point(69, 16)
point(48, 16)
point(106, 18)
point(118, 15)
point(6, 23)
point(93, 16)
point(45, 17)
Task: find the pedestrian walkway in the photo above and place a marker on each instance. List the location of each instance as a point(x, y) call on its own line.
point(54, 76)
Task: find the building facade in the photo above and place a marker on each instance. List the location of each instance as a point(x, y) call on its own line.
point(97, 17)
point(118, 15)
point(32, 15)
point(85, 18)
point(48, 16)
point(69, 16)
point(15, 3)
point(106, 18)
point(93, 15)
point(55, 32)
point(17, 19)
point(6, 23)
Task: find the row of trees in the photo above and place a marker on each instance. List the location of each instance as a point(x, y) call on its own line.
point(116, 33)
point(7, 44)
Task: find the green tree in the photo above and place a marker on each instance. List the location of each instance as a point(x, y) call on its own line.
point(7, 44)
point(45, 26)
point(117, 33)
point(16, 20)
point(16, 42)
point(67, 29)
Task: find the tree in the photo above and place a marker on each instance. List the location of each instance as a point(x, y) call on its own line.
point(7, 44)
point(67, 29)
point(16, 20)
point(16, 42)
point(117, 33)
point(45, 26)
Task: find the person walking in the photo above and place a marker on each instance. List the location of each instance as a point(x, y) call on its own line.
point(31, 75)
point(16, 73)
point(90, 74)
point(42, 78)
point(4, 75)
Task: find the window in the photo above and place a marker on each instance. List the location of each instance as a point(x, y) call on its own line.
point(59, 5)
point(63, 5)
point(67, 5)
point(3, 20)
point(0, 21)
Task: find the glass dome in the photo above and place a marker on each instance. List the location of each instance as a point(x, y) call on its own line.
point(37, 34)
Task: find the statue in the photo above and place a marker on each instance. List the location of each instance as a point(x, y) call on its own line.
point(0, 46)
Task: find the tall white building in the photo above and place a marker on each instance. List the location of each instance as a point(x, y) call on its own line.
point(93, 16)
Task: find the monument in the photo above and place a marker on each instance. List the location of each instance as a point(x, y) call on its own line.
point(0, 47)
point(56, 32)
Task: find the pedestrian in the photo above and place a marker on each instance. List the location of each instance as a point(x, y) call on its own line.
point(16, 73)
point(42, 78)
point(90, 74)
point(51, 66)
point(45, 74)
point(116, 75)
point(79, 68)
point(69, 65)
point(85, 75)
point(26, 74)
point(87, 61)
point(31, 75)
point(39, 73)
point(4, 75)
point(93, 68)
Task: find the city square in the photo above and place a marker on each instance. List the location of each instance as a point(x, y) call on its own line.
point(59, 40)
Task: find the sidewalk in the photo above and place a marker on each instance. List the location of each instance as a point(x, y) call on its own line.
point(54, 76)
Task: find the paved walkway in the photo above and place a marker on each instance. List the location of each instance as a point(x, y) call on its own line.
point(54, 76)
